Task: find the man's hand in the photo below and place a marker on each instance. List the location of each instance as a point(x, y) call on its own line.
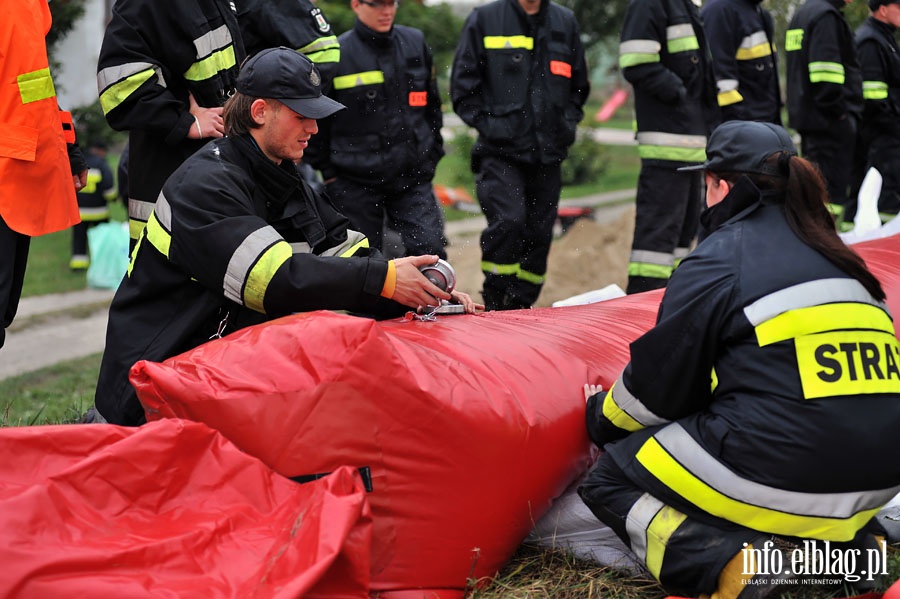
point(590, 390)
point(458, 297)
point(413, 289)
point(80, 180)
point(208, 122)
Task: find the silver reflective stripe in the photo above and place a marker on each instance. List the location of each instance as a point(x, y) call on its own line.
point(632, 406)
point(675, 32)
point(139, 210)
point(111, 75)
point(726, 85)
point(638, 521)
point(210, 42)
point(754, 39)
point(163, 212)
point(676, 140)
point(681, 253)
point(640, 47)
point(648, 257)
point(354, 238)
point(708, 469)
point(244, 258)
point(805, 295)
point(301, 248)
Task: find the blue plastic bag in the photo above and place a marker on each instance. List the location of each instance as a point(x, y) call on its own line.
point(108, 245)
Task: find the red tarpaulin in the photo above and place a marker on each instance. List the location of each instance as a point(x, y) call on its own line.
point(171, 510)
point(469, 426)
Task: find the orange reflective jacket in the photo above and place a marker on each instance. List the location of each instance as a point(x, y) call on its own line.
point(37, 194)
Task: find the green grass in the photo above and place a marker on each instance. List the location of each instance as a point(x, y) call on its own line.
point(52, 395)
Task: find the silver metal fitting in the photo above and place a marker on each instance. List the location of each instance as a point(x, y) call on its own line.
point(441, 274)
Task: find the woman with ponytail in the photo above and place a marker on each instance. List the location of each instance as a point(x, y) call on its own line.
point(751, 423)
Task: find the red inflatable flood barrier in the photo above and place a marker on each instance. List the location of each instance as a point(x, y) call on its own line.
point(171, 510)
point(467, 427)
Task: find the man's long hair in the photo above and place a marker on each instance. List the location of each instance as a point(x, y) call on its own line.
point(236, 113)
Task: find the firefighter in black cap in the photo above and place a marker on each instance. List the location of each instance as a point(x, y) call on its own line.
point(238, 238)
point(757, 411)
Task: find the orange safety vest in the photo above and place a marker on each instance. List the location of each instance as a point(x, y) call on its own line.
point(37, 194)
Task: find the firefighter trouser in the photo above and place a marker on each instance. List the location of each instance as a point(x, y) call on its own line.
point(833, 152)
point(886, 158)
point(411, 210)
point(519, 201)
point(684, 554)
point(667, 216)
point(14, 251)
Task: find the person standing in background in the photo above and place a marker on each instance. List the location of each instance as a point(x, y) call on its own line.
point(740, 35)
point(92, 203)
point(297, 24)
point(41, 168)
point(164, 71)
point(824, 96)
point(379, 156)
point(664, 55)
point(879, 57)
point(520, 79)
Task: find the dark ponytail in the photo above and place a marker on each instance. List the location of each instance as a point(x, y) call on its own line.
point(809, 218)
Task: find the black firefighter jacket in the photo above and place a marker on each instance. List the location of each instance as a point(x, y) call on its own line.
point(664, 55)
point(768, 393)
point(879, 57)
point(234, 240)
point(391, 129)
point(154, 54)
point(741, 40)
point(521, 81)
point(824, 82)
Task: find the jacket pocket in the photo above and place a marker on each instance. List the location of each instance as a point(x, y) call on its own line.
point(18, 142)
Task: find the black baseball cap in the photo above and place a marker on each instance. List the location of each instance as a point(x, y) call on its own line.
point(743, 146)
point(289, 77)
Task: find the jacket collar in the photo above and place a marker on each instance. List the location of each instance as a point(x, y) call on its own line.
point(883, 27)
point(743, 199)
point(372, 37)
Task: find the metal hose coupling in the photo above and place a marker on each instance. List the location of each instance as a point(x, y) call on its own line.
point(441, 274)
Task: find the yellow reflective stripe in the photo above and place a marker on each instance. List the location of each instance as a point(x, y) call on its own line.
point(848, 363)
point(875, 90)
point(351, 251)
point(93, 214)
point(358, 79)
point(323, 49)
point(35, 86)
point(671, 473)
point(262, 272)
point(615, 414)
point(530, 277)
point(661, 529)
point(321, 57)
point(652, 152)
point(684, 44)
point(158, 236)
point(135, 227)
point(760, 51)
point(499, 269)
point(500, 42)
point(730, 97)
point(94, 176)
point(115, 94)
point(827, 72)
point(820, 319)
point(636, 52)
point(212, 65)
point(634, 59)
point(652, 271)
